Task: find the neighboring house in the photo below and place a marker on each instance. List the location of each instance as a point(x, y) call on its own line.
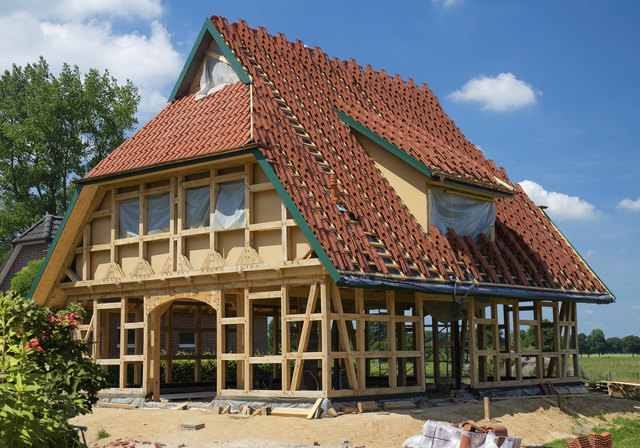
point(329, 209)
point(31, 245)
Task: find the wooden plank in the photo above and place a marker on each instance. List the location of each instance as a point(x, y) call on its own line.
point(226, 409)
point(314, 408)
point(368, 406)
point(181, 406)
point(395, 405)
point(332, 413)
point(117, 406)
point(109, 306)
point(290, 412)
point(325, 334)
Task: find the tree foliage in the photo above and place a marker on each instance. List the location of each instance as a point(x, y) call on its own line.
point(21, 282)
point(44, 377)
point(54, 129)
point(631, 344)
point(597, 341)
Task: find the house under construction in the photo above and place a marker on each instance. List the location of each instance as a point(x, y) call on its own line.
point(317, 228)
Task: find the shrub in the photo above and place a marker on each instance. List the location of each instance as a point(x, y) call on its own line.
point(21, 282)
point(44, 378)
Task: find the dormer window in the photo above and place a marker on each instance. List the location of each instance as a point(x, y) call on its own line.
point(467, 215)
point(216, 73)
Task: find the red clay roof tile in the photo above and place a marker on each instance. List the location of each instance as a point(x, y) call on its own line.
point(372, 232)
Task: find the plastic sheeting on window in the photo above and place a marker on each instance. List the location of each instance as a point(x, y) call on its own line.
point(128, 216)
point(197, 207)
point(215, 74)
point(467, 216)
point(230, 212)
point(158, 213)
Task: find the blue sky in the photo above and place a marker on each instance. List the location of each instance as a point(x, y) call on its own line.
point(547, 89)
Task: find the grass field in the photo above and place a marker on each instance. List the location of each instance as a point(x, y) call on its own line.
point(625, 433)
point(612, 367)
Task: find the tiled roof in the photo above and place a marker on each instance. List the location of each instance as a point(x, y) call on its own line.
point(297, 92)
point(185, 128)
point(44, 229)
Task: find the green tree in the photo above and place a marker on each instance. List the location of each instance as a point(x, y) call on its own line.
point(22, 281)
point(45, 379)
point(597, 341)
point(54, 129)
point(631, 344)
point(614, 345)
point(584, 346)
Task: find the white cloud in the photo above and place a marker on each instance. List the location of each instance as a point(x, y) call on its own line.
point(560, 205)
point(503, 93)
point(445, 3)
point(588, 311)
point(630, 204)
point(147, 58)
point(635, 307)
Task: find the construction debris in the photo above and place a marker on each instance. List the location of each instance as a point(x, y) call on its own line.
point(192, 426)
point(594, 440)
point(467, 435)
point(395, 405)
point(368, 406)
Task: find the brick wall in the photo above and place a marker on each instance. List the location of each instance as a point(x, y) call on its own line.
point(27, 253)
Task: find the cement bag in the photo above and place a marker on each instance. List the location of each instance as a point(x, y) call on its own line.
point(490, 441)
point(417, 442)
point(441, 436)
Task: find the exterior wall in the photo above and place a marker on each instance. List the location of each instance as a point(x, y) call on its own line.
point(26, 253)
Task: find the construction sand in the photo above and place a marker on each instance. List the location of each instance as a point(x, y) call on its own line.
point(535, 420)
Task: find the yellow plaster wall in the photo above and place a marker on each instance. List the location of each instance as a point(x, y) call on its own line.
point(408, 182)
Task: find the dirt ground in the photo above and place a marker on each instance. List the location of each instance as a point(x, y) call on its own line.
point(535, 420)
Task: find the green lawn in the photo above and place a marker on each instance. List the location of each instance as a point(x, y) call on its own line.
point(622, 367)
point(625, 433)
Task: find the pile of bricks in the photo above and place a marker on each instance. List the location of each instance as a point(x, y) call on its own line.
point(594, 440)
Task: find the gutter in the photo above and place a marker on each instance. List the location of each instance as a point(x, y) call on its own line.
point(479, 289)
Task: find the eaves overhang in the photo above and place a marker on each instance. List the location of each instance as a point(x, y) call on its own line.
point(462, 289)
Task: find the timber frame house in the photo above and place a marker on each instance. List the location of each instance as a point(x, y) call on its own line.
point(293, 211)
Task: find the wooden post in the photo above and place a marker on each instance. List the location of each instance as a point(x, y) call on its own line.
point(285, 341)
point(471, 321)
point(221, 345)
point(168, 345)
point(391, 334)
point(420, 370)
point(487, 411)
point(360, 340)
point(123, 343)
point(97, 331)
point(146, 352)
point(198, 348)
point(248, 342)
point(325, 309)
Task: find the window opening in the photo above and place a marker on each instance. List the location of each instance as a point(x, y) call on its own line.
point(230, 212)
point(197, 207)
point(465, 215)
point(158, 213)
point(216, 73)
point(128, 217)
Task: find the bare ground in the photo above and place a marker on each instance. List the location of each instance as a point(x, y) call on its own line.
point(535, 420)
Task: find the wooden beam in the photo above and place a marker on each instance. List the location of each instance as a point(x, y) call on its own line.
point(344, 337)
point(304, 338)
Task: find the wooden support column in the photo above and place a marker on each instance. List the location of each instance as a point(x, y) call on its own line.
point(173, 200)
point(285, 341)
point(221, 344)
point(482, 345)
point(420, 368)
point(516, 339)
point(96, 351)
point(123, 343)
point(391, 334)
point(325, 310)
point(507, 338)
point(168, 345)
point(495, 341)
point(537, 316)
point(304, 338)
point(344, 336)
point(248, 342)
point(360, 340)
point(198, 345)
point(471, 321)
point(138, 344)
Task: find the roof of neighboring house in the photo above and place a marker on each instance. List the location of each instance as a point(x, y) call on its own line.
point(303, 107)
point(44, 229)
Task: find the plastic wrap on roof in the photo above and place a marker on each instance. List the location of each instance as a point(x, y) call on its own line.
point(158, 213)
point(230, 212)
point(128, 216)
point(216, 73)
point(465, 215)
point(197, 206)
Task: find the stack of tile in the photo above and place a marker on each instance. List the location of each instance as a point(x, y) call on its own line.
point(594, 440)
point(466, 435)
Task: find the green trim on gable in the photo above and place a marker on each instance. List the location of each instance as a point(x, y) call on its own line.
point(208, 26)
point(52, 246)
point(297, 216)
point(386, 144)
